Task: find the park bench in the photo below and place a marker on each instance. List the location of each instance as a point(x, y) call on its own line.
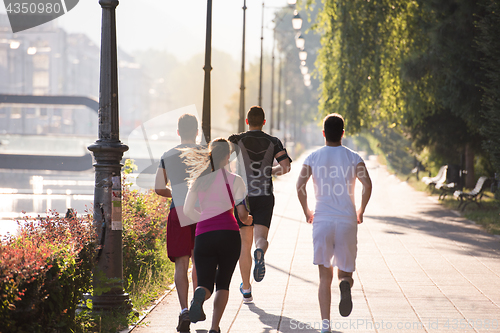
point(431, 181)
point(419, 167)
point(440, 177)
point(473, 196)
point(446, 188)
point(451, 183)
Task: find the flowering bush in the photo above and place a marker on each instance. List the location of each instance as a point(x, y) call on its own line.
point(44, 271)
point(47, 267)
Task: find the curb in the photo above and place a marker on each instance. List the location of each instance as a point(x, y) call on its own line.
point(171, 288)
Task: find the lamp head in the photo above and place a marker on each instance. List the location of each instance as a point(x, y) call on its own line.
point(303, 55)
point(296, 21)
point(300, 42)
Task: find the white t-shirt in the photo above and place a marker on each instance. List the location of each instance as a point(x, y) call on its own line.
point(334, 177)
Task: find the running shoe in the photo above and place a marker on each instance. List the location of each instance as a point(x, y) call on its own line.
point(214, 331)
point(247, 297)
point(196, 313)
point(345, 305)
point(183, 326)
point(260, 267)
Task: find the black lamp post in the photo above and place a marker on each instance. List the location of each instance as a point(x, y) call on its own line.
point(280, 79)
point(297, 24)
point(271, 118)
point(241, 122)
point(108, 152)
point(261, 54)
point(205, 122)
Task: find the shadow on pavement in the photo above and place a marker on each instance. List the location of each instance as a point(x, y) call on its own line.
point(443, 224)
point(292, 275)
point(286, 324)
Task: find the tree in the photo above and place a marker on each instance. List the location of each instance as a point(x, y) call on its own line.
point(489, 43)
point(452, 76)
point(410, 64)
point(363, 45)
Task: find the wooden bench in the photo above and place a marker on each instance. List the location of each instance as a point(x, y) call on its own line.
point(451, 183)
point(446, 188)
point(432, 181)
point(473, 196)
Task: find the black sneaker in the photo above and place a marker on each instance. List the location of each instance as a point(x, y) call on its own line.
point(345, 305)
point(260, 267)
point(184, 322)
point(196, 313)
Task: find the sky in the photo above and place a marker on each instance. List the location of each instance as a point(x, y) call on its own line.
point(178, 26)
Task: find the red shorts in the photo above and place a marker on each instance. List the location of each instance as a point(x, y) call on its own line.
point(180, 240)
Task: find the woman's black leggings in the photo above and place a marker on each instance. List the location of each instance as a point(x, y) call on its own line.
point(215, 256)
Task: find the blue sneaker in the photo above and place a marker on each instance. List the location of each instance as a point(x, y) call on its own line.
point(247, 297)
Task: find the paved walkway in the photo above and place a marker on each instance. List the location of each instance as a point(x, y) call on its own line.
point(420, 268)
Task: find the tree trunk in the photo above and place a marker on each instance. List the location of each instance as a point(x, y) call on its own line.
point(470, 180)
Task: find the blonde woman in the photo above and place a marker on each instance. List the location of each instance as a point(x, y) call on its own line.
point(217, 242)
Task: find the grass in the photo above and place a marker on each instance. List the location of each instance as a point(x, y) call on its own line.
point(109, 322)
point(487, 215)
point(145, 292)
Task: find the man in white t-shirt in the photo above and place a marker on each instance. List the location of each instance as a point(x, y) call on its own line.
point(334, 169)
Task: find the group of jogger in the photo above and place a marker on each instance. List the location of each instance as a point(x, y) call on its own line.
point(216, 216)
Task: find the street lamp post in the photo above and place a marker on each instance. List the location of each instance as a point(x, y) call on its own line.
point(297, 24)
point(241, 122)
point(288, 102)
point(205, 122)
point(271, 118)
point(108, 152)
point(261, 54)
point(280, 78)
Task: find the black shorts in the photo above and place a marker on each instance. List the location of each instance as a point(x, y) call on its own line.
point(261, 208)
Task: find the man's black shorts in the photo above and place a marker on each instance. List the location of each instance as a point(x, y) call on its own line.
point(261, 208)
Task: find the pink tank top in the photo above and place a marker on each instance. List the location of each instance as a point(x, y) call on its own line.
point(217, 206)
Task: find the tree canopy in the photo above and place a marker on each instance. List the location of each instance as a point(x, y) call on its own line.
point(427, 68)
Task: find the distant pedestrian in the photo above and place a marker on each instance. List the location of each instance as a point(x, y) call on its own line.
point(334, 169)
point(180, 239)
point(218, 242)
point(258, 151)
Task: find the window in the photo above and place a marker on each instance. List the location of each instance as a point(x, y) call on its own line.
point(41, 80)
point(41, 62)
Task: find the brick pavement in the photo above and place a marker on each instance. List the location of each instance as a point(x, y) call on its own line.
point(420, 268)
